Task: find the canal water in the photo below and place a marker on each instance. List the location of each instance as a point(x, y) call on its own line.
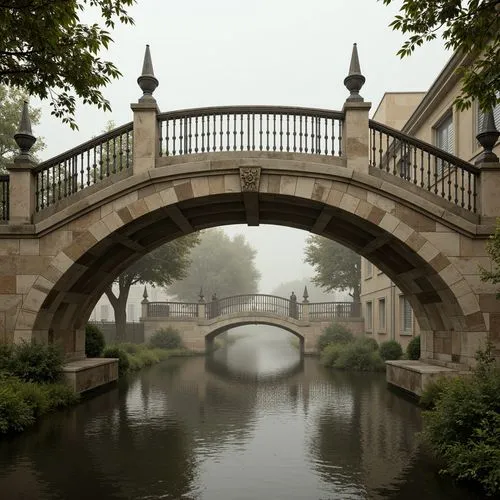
point(252, 422)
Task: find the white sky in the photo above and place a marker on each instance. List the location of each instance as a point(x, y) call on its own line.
point(278, 52)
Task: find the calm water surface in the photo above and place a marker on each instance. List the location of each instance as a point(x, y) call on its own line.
point(253, 422)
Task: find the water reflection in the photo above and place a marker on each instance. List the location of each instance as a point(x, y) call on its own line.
point(255, 421)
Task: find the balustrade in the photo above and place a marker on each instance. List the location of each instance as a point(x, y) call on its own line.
point(424, 166)
point(83, 166)
point(251, 128)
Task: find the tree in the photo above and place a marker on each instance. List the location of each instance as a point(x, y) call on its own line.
point(493, 247)
point(161, 267)
point(472, 26)
point(219, 265)
point(11, 104)
point(316, 294)
point(46, 50)
point(336, 266)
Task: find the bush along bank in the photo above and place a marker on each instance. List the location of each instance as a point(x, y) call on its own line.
point(31, 384)
point(163, 344)
point(462, 424)
point(340, 349)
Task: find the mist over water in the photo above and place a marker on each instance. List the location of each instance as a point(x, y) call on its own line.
point(253, 421)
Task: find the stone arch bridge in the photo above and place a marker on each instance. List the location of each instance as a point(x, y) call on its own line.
point(199, 323)
point(73, 223)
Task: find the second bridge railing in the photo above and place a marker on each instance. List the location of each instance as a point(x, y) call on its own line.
point(254, 304)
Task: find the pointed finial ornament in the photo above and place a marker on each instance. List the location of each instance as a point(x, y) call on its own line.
point(305, 295)
point(24, 137)
point(201, 296)
point(487, 137)
point(147, 81)
point(145, 296)
point(354, 81)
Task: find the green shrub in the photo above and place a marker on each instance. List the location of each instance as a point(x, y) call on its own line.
point(15, 413)
point(413, 348)
point(463, 429)
point(60, 396)
point(359, 356)
point(5, 355)
point(147, 357)
point(36, 362)
point(123, 358)
point(334, 334)
point(22, 402)
point(390, 350)
point(371, 343)
point(94, 341)
point(433, 391)
point(330, 354)
point(130, 348)
point(166, 338)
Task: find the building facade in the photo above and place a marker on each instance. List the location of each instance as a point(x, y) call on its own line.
point(431, 117)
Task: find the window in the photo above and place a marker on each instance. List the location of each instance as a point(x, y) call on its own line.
point(445, 140)
point(369, 316)
point(368, 269)
point(131, 312)
point(381, 315)
point(104, 312)
point(406, 316)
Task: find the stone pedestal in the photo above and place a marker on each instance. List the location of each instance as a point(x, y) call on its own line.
point(89, 373)
point(414, 376)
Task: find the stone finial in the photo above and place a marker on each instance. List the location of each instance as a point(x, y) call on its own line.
point(305, 295)
point(201, 297)
point(147, 81)
point(487, 137)
point(145, 296)
point(24, 137)
point(354, 81)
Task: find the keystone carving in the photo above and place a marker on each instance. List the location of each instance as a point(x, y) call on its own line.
point(250, 179)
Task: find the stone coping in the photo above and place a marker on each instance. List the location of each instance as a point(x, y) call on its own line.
point(86, 364)
point(420, 367)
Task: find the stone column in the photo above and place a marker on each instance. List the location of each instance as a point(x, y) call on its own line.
point(489, 165)
point(146, 130)
point(22, 189)
point(144, 305)
point(305, 305)
point(201, 305)
point(355, 130)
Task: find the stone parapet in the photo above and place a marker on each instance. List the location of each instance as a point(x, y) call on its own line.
point(90, 373)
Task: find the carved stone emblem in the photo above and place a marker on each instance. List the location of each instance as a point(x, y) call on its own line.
point(250, 178)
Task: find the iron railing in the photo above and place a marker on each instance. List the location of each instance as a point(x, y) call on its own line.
point(251, 128)
point(80, 167)
point(424, 165)
point(257, 303)
point(334, 310)
point(178, 310)
point(4, 197)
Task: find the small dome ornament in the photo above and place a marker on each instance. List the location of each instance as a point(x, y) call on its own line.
point(147, 81)
point(24, 137)
point(354, 81)
point(487, 137)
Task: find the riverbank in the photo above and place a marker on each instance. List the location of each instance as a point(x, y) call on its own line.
point(32, 383)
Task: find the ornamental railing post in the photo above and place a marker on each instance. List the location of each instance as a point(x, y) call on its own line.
point(489, 166)
point(146, 128)
point(356, 132)
point(22, 185)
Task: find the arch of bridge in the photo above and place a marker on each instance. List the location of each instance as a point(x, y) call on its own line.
point(99, 235)
point(223, 323)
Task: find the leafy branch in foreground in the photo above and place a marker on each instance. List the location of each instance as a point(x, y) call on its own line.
point(471, 26)
point(48, 52)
